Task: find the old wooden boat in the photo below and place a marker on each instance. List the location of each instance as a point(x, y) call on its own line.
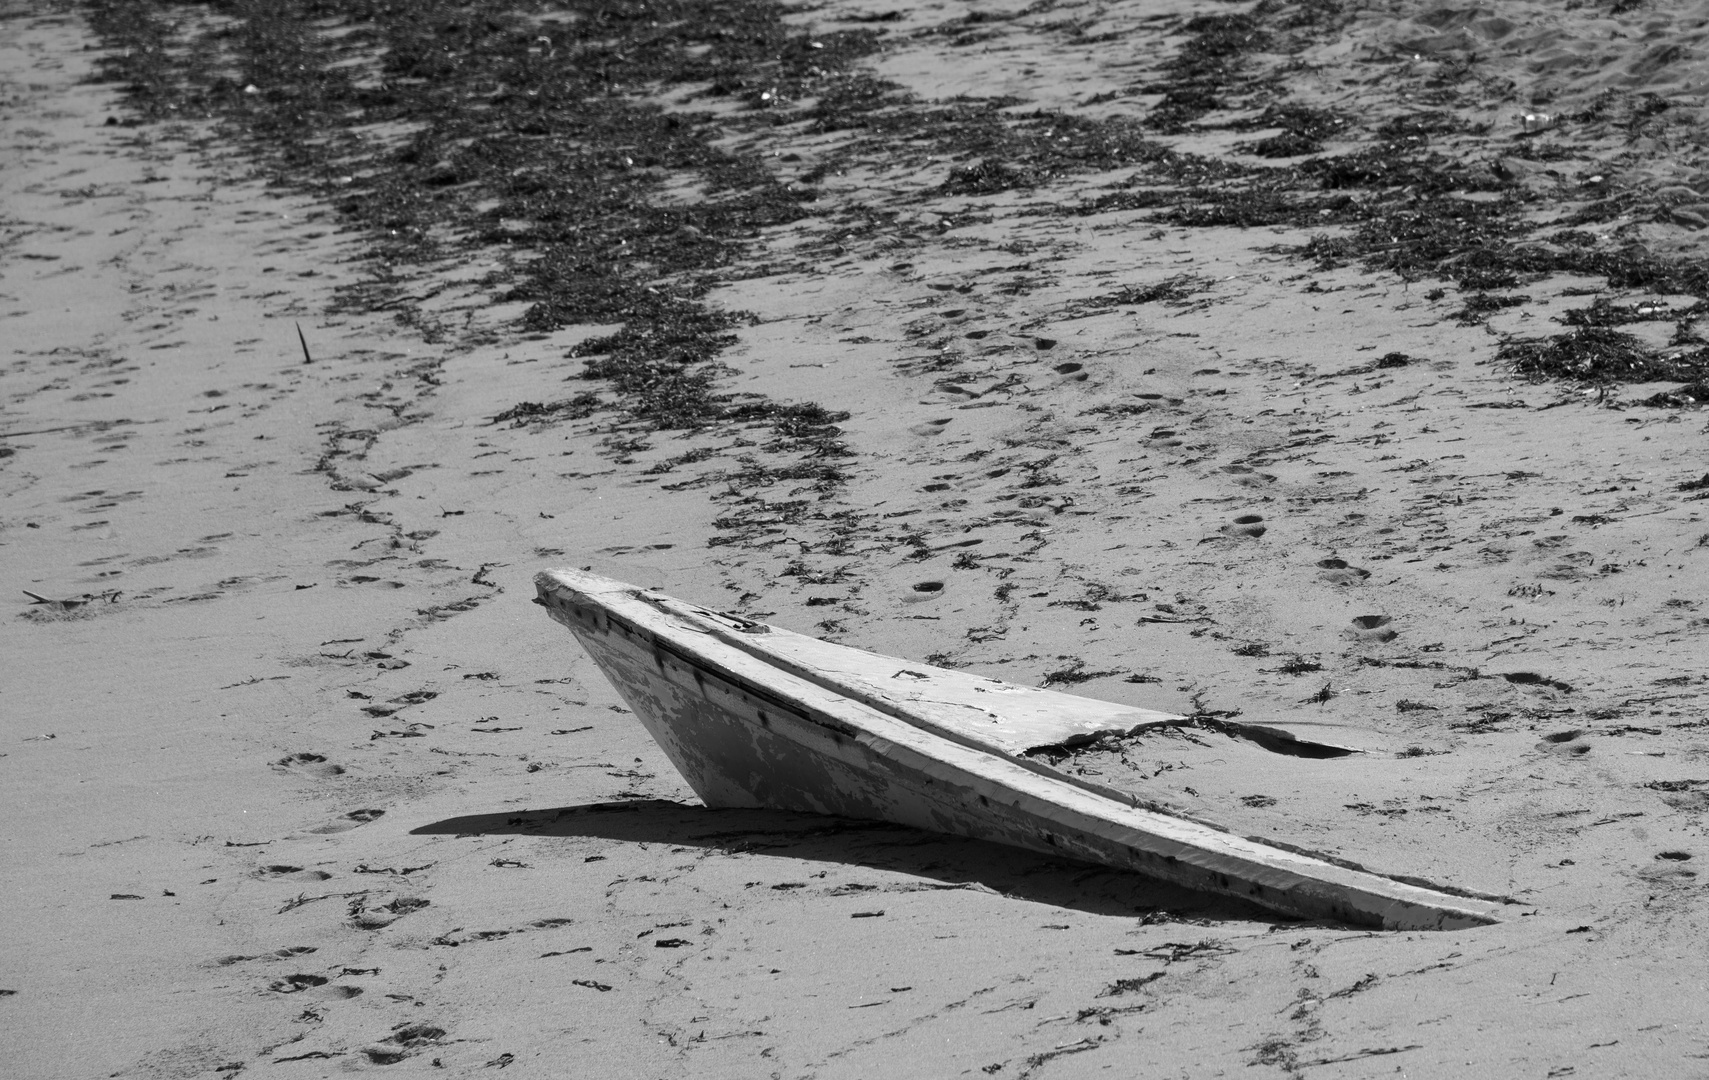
point(756, 716)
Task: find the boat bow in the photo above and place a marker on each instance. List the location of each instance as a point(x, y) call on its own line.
point(755, 716)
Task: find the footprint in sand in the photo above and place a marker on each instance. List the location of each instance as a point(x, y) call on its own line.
point(406, 1038)
point(283, 872)
point(1573, 566)
point(931, 429)
point(923, 591)
point(1250, 525)
point(372, 920)
point(1373, 628)
point(1680, 794)
point(314, 985)
point(309, 765)
point(350, 821)
point(1668, 873)
point(1338, 572)
point(383, 915)
point(1247, 477)
point(277, 954)
point(1164, 437)
point(1074, 372)
point(1565, 743)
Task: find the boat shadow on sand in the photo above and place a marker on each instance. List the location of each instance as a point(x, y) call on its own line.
point(947, 862)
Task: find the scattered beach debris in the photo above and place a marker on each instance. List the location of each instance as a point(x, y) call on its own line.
point(72, 603)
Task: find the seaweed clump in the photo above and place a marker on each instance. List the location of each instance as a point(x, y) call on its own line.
point(1171, 290)
point(985, 178)
point(524, 413)
point(1687, 396)
point(1598, 354)
point(1303, 130)
point(1204, 66)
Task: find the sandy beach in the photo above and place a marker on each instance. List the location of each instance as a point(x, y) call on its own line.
point(1336, 367)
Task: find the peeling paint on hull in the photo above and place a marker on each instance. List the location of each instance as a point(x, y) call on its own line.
point(745, 732)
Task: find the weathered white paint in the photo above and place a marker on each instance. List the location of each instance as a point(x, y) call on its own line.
point(798, 724)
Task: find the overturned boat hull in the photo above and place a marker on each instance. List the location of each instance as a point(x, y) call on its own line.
point(754, 716)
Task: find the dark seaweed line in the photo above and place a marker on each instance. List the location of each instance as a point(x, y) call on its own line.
point(1400, 201)
point(530, 132)
point(524, 133)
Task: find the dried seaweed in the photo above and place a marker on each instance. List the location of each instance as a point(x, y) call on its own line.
point(1599, 355)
